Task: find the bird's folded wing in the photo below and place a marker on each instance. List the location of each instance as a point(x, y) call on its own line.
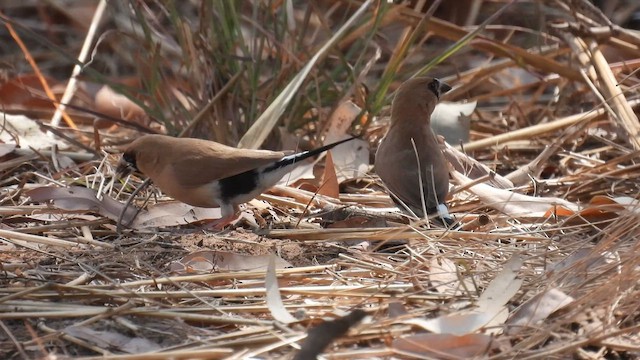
point(204, 164)
point(407, 190)
point(400, 171)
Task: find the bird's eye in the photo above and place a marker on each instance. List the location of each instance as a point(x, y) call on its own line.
point(130, 158)
point(434, 86)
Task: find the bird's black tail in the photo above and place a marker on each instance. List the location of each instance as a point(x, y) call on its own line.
point(292, 159)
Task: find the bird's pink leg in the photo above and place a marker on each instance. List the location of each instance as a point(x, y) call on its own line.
point(229, 214)
point(220, 224)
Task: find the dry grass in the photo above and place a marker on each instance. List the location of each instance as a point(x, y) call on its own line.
point(552, 75)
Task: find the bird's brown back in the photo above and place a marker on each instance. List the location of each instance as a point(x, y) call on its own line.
point(194, 162)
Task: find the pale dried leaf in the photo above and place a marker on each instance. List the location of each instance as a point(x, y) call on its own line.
point(301, 172)
point(351, 159)
point(514, 204)
point(274, 298)
point(6, 149)
point(173, 213)
point(112, 340)
point(575, 268)
point(538, 308)
point(109, 102)
point(340, 121)
point(533, 169)
point(77, 198)
point(27, 132)
point(490, 311)
point(502, 288)
point(443, 275)
point(452, 121)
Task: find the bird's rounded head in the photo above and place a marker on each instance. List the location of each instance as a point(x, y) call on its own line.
point(418, 97)
point(138, 151)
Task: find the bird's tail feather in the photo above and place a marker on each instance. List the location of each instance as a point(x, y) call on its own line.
point(292, 159)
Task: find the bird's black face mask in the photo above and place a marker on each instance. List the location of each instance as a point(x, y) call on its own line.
point(127, 164)
point(438, 87)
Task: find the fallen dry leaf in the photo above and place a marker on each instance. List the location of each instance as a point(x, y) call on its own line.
point(274, 298)
point(18, 93)
point(340, 121)
point(600, 204)
point(111, 103)
point(533, 169)
point(451, 120)
point(351, 159)
point(112, 340)
point(76, 198)
point(456, 324)
point(207, 261)
point(502, 288)
point(538, 308)
point(490, 310)
point(329, 185)
point(443, 275)
point(173, 213)
point(301, 172)
point(443, 346)
point(514, 204)
point(27, 133)
point(6, 149)
point(575, 268)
